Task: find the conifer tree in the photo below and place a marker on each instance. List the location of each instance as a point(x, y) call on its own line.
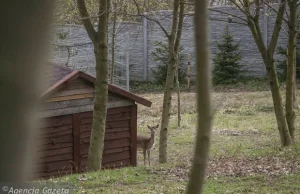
point(227, 68)
point(160, 56)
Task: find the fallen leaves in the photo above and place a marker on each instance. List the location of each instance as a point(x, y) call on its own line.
point(269, 166)
point(235, 167)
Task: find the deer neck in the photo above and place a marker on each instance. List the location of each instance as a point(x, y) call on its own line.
point(152, 138)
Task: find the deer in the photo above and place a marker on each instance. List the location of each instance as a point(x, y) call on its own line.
point(146, 143)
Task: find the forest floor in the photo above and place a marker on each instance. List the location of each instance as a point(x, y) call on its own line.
point(245, 155)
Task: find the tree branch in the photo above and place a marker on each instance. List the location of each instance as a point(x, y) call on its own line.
point(255, 30)
point(277, 27)
point(179, 28)
point(174, 27)
point(257, 10)
point(151, 19)
point(242, 9)
point(234, 22)
point(253, 23)
point(235, 16)
point(86, 20)
point(273, 9)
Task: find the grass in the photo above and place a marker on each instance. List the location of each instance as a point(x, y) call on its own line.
point(245, 154)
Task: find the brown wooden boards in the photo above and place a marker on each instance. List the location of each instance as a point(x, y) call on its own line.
point(65, 141)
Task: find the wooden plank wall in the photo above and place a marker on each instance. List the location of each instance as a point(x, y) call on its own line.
point(65, 141)
point(55, 148)
point(117, 142)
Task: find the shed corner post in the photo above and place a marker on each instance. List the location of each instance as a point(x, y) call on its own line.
point(133, 134)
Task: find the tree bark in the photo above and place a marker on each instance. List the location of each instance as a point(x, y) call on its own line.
point(99, 39)
point(290, 77)
point(203, 85)
point(113, 39)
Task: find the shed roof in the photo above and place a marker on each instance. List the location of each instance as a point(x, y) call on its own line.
point(57, 77)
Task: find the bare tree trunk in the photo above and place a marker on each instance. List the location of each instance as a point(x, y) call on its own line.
point(203, 84)
point(167, 105)
point(188, 72)
point(290, 77)
point(277, 103)
point(113, 39)
point(173, 46)
point(101, 92)
point(22, 53)
point(178, 95)
point(295, 82)
point(173, 42)
point(99, 40)
point(267, 52)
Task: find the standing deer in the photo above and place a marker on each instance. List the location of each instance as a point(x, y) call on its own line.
point(146, 143)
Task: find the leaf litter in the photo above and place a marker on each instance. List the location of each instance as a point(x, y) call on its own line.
point(235, 167)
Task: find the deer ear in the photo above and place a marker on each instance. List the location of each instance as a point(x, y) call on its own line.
point(157, 126)
point(148, 127)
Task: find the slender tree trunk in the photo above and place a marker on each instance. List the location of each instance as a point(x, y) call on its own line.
point(203, 84)
point(173, 43)
point(113, 39)
point(178, 95)
point(167, 105)
point(277, 102)
point(295, 81)
point(188, 72)
point(290, 80)
point(267, 53)
point(101, 91)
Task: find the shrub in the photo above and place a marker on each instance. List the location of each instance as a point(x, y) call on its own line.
point(227, 69)
point(160, 55)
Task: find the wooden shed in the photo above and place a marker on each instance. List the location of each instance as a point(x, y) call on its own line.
point(66, 117)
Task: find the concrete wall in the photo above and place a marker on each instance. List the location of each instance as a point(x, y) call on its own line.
point(143, 35)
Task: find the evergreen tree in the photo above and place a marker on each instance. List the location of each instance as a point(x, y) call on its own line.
point(160, 55)
point(227, 69)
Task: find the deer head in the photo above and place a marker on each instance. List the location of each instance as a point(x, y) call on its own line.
point(153, 128)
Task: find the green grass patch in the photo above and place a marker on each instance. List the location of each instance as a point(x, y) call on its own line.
point(253, 184)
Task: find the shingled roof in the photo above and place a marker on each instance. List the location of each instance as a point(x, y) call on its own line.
point(57, 77)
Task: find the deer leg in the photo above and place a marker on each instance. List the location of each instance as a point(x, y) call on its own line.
point(144, 152)
point(149, 156)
